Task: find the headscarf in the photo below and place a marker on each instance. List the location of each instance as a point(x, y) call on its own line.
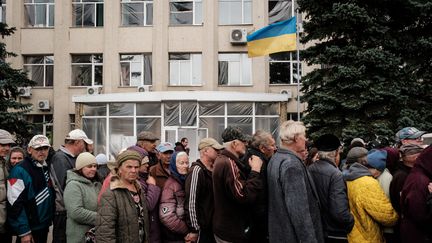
point(174, 171)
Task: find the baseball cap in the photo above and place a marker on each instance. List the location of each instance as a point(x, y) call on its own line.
point(148, 136)
point(39, 141)
point(327, 143)
point(79, 134)
point(164, 147)
point(209, 142)
point(6, 137)
point(234, 133)
point(377, 159)
point(409, 133)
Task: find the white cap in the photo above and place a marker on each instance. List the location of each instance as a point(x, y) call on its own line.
point(39, 141)
point(101, 159)
point(79, 134)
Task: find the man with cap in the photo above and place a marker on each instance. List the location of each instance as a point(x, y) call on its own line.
point(31, 194)
point(409, 135)
point(160, 171)
point(262, 145)
point(63, 160)
point(199, 204)
point(294, 214)
point(234, 187)
point(147, 141)
point(6, 140)
point(337, 219)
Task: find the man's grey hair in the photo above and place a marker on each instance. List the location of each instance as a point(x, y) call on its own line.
point(260, 138)
point(290, 129)
point(328, 155)
point(181, 154)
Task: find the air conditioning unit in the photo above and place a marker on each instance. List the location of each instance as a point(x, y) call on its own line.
point(43, 105)
point(238, 36)
point(287, 92)
point(144, 88)
point(24, 92)
point(94, 90)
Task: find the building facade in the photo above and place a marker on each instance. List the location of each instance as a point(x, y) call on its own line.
point(175, 67)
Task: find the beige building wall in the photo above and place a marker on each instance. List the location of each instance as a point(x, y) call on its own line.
point(113, 39)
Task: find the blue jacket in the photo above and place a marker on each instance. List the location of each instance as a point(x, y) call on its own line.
point(30, 197)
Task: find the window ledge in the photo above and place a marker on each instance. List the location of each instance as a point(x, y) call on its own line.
point(86, 27)
point(185, 25)
point(84, 87)
point(42, 87)
point(248, 24)
point(246, 85)
point(28, 27)
point(135, 26)
point(185, 85)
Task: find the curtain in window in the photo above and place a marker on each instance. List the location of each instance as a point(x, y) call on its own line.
point(148, 69)
point(279, 10)
point(223, 73)
point(181, 13)
point(124, 74)
point(133, 14)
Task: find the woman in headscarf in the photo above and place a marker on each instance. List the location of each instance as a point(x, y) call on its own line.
point(122, 211)
point(80, 197)
point(171, 211)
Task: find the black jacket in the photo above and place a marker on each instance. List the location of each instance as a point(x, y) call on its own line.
point(332, 193)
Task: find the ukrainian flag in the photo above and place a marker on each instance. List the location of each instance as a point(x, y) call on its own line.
point(277, 37)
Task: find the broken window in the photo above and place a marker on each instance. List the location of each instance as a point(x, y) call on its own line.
point(137, 12)
point(234, 69)
point(183, 12)
point(185, 69)
point(283, 68)
point(39, 13)
point(2, 11)
point(40, 69)
point(87, 13)
point(233, 12)
point(135, 70)
point(87, 70)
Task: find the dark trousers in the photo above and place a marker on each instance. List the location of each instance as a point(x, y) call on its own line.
point(39, 236)
point(6, 237)
point(206, 236)
point(59, 227)
point(332, 240)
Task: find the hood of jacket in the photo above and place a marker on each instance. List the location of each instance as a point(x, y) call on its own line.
point(116, 183)
point(355, 171)
point(73, 176)
point(424, 163)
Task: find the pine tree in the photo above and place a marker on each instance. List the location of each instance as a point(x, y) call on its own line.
point(363, 87)
point(11, 108)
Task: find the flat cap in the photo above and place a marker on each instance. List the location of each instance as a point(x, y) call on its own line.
point(234, 133)
point(327, 143)
point(147, 136)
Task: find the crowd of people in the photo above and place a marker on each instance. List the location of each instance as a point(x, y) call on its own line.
point(246, 189)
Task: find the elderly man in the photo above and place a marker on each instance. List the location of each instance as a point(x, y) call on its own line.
point(147, 141)
point(6, 140)
point(234, 188)
point(31, 195)
point(294, 213)
point(262, 145)
point(63, 160)
point(161, 171)
point(337, 219)
point(409, 135)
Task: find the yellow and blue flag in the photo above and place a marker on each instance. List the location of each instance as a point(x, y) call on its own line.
point(277, 37)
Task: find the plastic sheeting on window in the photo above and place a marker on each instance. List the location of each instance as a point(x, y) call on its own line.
point(223, 73)
point(94, 109)
point(214, 125)
point(81, 75)
point(95, 128)
point(90, 14)
point(121, 134)
point(133, 13)
point(148, 109)
point(262, 108)
point(149, 124)
point(121, 109)
point(245, 123)
point(239, 108)
point(211, 109)
point(188, 113)
point(171, 114)
point(35, 73)
point(268, 124)
point(181, 13)
point(279, 10)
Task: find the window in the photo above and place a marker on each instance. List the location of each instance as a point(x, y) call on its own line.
point(184, 12)
point(235, 12)
point(87, 70)
point(40, 69)
point(39, 13)
point(2, 11)
point(42, 124)
point(234, 69)
point(279, 10)
point(283, 68)
point(185, 69)
point(136, 70)
point(87, 13)
point(137, 12)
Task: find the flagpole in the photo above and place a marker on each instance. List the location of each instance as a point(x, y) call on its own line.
point(298, 63)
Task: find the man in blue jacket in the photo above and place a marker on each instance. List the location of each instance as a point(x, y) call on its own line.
point(31, 194)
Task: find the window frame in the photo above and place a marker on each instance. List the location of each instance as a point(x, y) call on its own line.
point(191, 69)
point(142, 81)
point(241, 58)
point(194, 12)
point(243, 21)
point(93, 65)
point(3, 11)
point(292, 65)
point(145, 5)
point(45, 64)
point(88, 2)
point(46, 23)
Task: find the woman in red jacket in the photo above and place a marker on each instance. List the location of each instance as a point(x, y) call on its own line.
point(171, 210)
